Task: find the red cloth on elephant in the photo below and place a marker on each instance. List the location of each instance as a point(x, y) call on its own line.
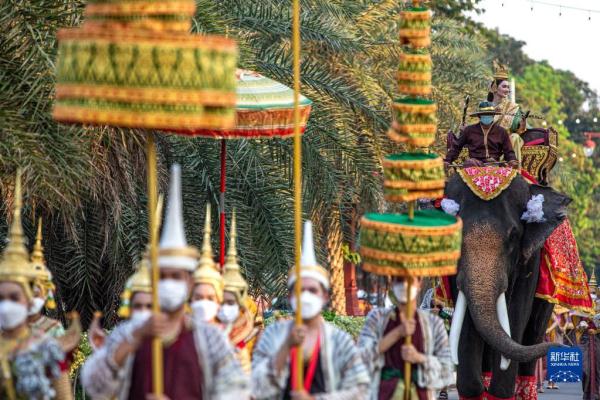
point(562, 277)
point(526, 388)
point(182, 371)
point(394, 360)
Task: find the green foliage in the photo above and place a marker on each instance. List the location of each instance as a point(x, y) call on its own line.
point(351, 325)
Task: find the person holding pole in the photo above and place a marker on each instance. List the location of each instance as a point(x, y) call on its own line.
point(333, 367)
point(382, 344)
point(198, 362)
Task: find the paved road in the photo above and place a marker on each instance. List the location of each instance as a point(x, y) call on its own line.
point(566, 391)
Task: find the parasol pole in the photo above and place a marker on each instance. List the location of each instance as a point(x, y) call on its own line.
point(408, 339)
point(157, 354)
point(299, 378)
point(222, 203)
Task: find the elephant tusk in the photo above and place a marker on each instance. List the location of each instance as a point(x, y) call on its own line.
point(457, 322)
point(502, 311)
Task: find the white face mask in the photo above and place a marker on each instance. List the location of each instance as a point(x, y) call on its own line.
point(399, 290)
point(228, 313)
point(139, 317)
point(311, 305)
point(36, 306)
point(12, 314)
point(172, 294)
point(205, 310)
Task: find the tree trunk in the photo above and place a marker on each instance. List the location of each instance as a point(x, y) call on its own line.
point(335, 260)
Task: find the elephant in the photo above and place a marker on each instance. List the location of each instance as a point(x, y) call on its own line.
point(498, 323)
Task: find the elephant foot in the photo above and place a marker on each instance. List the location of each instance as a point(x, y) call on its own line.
point(486, 378)
point(488, 396)
point(526, 388)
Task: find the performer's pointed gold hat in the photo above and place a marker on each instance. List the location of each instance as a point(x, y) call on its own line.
point(15, 265)
point(139, 282)
point(207, 270)
point(43, 276)
point(500, 71)
point(234, 281)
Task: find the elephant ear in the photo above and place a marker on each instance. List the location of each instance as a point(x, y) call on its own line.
point(539, 226)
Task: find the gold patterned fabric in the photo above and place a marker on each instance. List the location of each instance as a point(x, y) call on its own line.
point(132, 64)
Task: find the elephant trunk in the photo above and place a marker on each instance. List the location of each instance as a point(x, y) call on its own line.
point(484, 313)
point(483, 278)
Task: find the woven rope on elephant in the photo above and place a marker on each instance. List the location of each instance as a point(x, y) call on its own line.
point(487, 183)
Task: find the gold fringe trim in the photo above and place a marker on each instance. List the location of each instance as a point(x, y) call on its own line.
point(415, 89)
point(152, 120)
point(416, 42)
point(147, 95)
point(413, 33)
point(139, 37)
point(415, 108)
point(478, 192)
point(415, 15)
point(403, 272)
point(414, 141)
point(424, 185)
point(414, 76)
point(141, 8)
point(144, 23)
point(414, 195)
point(412, 230)
point(400, 257)
point(550, 299)
point(413, 164)
point(416, 58)
point(179, 252)
point(414, 128)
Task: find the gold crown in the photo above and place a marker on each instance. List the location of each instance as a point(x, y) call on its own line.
point(15, 265)
point(234, 281)
point(500, 71)
point(207, 271)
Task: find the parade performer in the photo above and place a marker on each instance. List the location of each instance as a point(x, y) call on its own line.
point(510, 115)
point(486, 141)
point(333, 368)
point(237, 312)
point(198, 361)
point(31, 363)
point(207, 293)
point(381, 342)
point(590, 347)
point(136, 299)
point(43, 292)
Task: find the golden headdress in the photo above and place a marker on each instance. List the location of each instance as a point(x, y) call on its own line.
point(207, 270)
point(43, 276)
point(140, 281)
point(15, 265)
point(309, 268)
point(234, 281)
point(500, 71)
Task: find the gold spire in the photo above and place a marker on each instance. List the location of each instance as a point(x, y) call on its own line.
point(234, 281)
point(206, 256)
point(500, 71)
point(207, 270)
point(15, 265)
point(37, 254)
point(593, 284)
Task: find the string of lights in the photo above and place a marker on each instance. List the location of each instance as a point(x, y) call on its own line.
point(560, 7)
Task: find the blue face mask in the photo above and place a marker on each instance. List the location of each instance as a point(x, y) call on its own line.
point(486, 119)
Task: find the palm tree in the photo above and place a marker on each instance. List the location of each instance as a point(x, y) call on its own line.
point(89, 183)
